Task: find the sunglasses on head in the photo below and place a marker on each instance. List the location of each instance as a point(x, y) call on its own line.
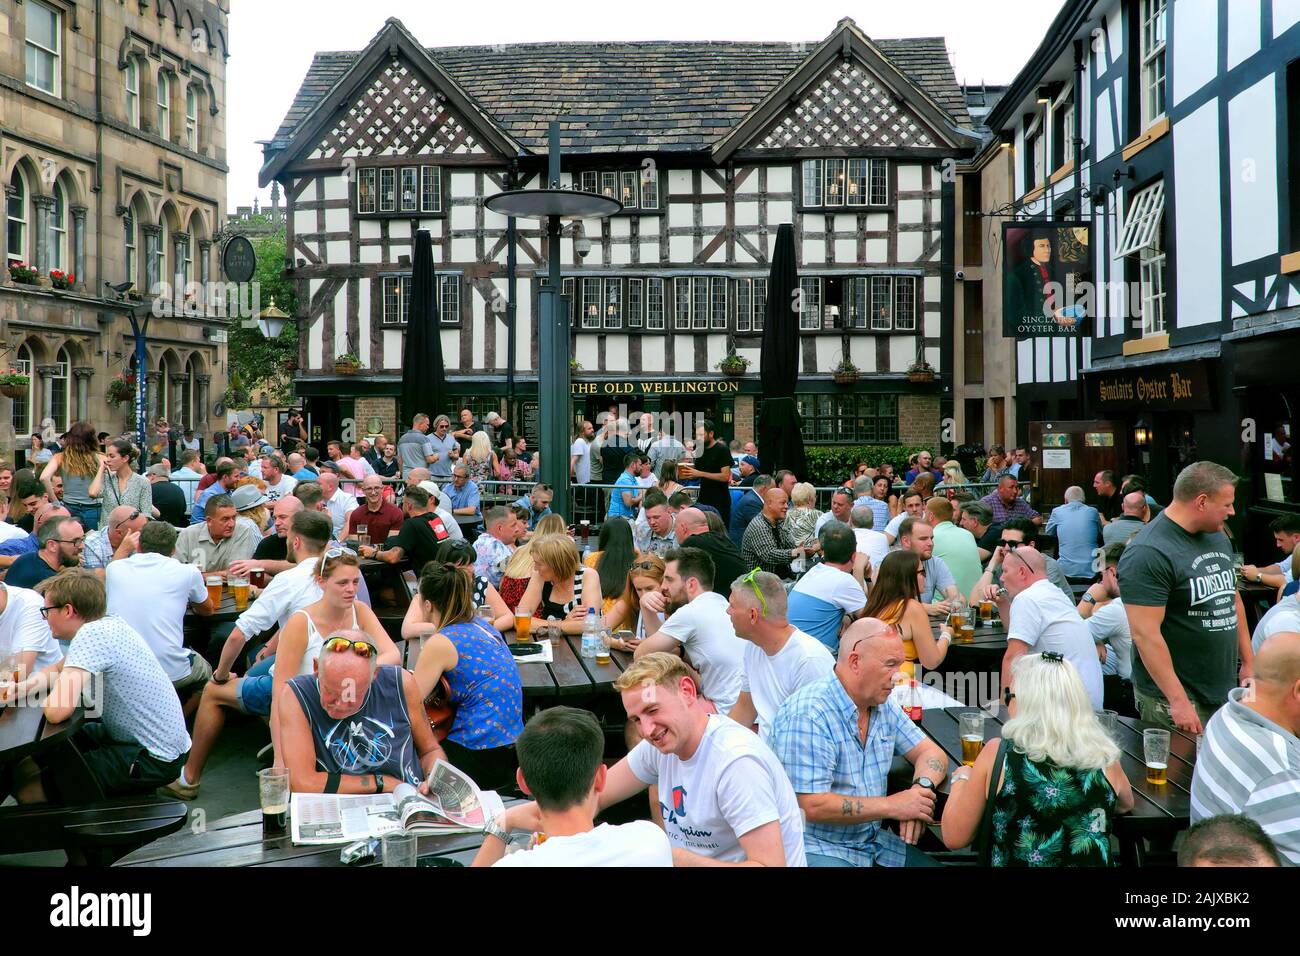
point(329, 555)
point(751, 580)
point(340, 644)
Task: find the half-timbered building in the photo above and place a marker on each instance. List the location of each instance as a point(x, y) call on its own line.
point(709, 147)
point(1174, 129)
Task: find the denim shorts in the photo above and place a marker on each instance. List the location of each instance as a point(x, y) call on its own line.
point(255, 688)
point(87, 515)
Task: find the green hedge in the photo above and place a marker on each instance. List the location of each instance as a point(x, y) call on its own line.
point(829, 465)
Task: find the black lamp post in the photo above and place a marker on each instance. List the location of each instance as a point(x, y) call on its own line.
point(554, 205)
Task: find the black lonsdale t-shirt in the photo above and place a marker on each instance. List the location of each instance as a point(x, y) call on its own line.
point(420, 537)
point(713, 492)
point(1192, 577)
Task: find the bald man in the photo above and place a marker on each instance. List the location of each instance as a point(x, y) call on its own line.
point(1077, 527)
point(117, 539)
point(836, 739)
point(1249, 762)
point(1135, 513)
point(763, 544)
point(692, 531)
point(272, 554)
point(1040, 618)
point(363, 724)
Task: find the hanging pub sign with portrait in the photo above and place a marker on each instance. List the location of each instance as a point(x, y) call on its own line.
point(1047, 287)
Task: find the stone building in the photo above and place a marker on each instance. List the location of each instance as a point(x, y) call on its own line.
point(113, 156)
point(709, 146)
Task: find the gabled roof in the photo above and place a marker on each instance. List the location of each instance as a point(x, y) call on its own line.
point(846, 41)
point(658, 96)
point(391, 42)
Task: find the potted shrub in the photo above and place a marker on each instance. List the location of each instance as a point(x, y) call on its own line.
point(236, 397)
point(62, 280)
point(574, 365)
point(733, 364)
point(121, 388)
point(846, 373)
point(14, 384)
point(920, 371)
point(349, 363)
point(23, 274)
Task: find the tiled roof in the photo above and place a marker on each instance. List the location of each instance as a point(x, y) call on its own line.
point(630, 96)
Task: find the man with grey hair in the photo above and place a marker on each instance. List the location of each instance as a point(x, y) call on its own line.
point(1179, 586)
point(152, 592)
point(1078, 532)
point(837, 738)
point(977, 518)
point(219, 540)
point(1135, 514)
point(465, 502)
point(778, 657)
point(338, 503)
point(870, 542)
point(366, 710)
point(502, 432)
point(494, 549)
point(415, 448)
point(841, 509)
point(744, 510)
point(116, 539)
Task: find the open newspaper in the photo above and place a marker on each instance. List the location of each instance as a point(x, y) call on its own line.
point(454, 804)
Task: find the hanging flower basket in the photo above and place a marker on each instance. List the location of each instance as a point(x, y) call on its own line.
point(846, 373)
point(920, 373)
point(733, 364)
point(14, 384)
point(121, 388)
point(347, 365)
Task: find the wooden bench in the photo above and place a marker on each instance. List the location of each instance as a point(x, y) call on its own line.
point(95, 833)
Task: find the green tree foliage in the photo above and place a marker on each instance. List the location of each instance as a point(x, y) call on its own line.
point(258, 365)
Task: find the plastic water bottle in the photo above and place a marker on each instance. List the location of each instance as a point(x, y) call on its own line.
point(592, 639)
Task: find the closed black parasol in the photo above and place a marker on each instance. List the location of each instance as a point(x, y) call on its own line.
point(424, 380)
point(780, 440)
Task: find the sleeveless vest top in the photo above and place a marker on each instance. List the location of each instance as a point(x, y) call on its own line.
point(376, 739)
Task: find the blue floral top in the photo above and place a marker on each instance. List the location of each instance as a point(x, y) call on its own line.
point(484, 687)
point(1045, 815)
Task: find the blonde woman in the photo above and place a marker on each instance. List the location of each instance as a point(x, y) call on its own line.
point(1058, 782)
point(81, 465)
point(519, 569)
point(560, 586)
point(250, 501)
point(953, 478)
point(480, 460)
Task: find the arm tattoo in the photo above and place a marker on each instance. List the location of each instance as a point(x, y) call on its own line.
point(935, 764)
point(846, 808)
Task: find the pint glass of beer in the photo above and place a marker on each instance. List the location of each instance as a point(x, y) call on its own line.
point(967, 633)
point(257, 577)
point(213, 582)
point(523, 626)
point(363, 535)
point(972, 736)
point(273, 792)
point(239, 590)
point(986, 613)
point(602, 652)
point(1155, 746)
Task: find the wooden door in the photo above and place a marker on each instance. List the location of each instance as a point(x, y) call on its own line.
point(1071, 453)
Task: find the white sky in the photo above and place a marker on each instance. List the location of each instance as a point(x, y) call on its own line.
point(272, 41)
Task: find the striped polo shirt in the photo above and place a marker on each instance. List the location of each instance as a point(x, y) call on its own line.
point(1250, 765)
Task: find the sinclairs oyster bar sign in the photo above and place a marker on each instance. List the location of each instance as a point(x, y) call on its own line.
point(1182, 387)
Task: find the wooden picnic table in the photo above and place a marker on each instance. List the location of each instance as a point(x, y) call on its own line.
point(570, 676)
point(1158, 810)
point(237, 840)
point(25, 732)
point(1252, 595)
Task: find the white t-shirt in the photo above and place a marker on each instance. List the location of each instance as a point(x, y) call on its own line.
point(339, 507)
point(149, 592)
point(770, 680)
point(1108, 625)
point(895, 523)
point(732, 784)
point(873, 544)
point(1282, 616)
point(9, 532)
point(581, 448)
point(284, 489)
point(23, 629)
point(1042, 618)
point(138, 702)
point(639, 843)
point(705, 630)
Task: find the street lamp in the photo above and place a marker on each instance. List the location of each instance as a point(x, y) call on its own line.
point(554, 204)
point(271, 321)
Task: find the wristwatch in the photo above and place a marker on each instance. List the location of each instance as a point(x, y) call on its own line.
point(379, 784)
point(1089, 598)
point(494, 827)
point(924, 782)
point(1259, 577)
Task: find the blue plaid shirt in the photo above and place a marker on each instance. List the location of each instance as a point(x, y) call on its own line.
point(815, 736)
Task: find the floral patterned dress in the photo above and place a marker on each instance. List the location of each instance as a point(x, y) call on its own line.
point(1045, 815)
